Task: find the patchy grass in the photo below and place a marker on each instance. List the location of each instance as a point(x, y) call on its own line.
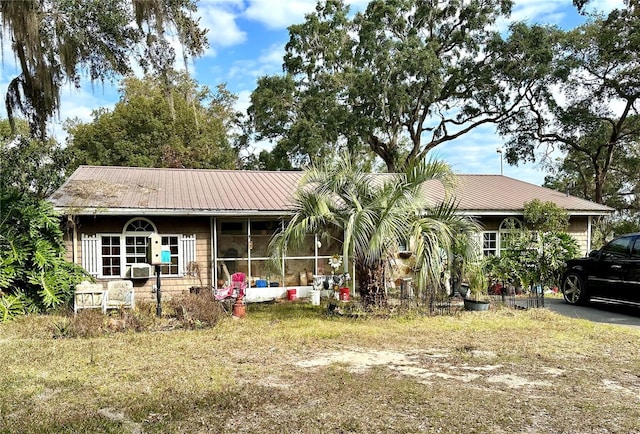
point(287, 367)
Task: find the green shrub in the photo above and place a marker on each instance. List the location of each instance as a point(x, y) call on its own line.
point(11, 306)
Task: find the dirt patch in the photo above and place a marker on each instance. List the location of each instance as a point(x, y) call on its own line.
point(425, 366)
point(119, 416)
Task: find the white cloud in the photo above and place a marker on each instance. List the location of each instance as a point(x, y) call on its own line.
point(278, 14)
point(219, 17)
point(81, 104)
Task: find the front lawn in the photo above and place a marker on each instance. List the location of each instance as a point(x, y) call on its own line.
point(287, 367)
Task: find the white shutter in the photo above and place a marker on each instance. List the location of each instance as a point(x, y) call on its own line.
point(478, 240)
point(90, 254)
point(187, 252)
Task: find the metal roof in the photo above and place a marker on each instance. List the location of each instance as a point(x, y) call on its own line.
point(501, 193)
point(132, 190)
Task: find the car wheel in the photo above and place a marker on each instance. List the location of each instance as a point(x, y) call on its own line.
point(574, 290)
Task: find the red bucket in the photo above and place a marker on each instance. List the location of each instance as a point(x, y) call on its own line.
point(344, 294)
point(291, 294)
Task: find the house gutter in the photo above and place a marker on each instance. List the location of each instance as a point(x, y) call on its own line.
point(172, 212)
point(492, 213)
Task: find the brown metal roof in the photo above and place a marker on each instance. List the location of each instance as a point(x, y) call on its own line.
point(500, 193)
point(109, 189)
point(132, 190)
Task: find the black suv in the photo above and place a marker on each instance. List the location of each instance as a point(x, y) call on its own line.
point(611, 274)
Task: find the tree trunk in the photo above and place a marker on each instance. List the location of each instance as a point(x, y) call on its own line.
point(371, 285)
point(600, 176)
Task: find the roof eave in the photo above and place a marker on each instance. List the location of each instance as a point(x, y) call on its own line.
point(492, 213)
point(91, 211)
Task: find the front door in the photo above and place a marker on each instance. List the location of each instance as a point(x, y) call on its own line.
point(632, 273)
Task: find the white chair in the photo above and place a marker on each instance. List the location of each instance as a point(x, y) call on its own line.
point(119, 294)
point(88, 296)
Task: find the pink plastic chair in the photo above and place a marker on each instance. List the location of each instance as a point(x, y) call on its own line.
point(235, 290)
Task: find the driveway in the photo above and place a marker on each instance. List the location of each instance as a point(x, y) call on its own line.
point(597, 312)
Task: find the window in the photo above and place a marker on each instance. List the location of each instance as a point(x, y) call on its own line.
point(136, 240)
point(136, 248)
point(173, 268)
point(489, 243)
point(635, 251)
point(111, 255)
point(618, 248)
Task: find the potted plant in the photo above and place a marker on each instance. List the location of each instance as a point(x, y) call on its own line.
point(478, 298)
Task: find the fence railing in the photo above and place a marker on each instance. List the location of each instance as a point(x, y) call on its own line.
point(529, 301)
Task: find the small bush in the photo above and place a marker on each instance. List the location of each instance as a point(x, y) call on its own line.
point(87, 323)
point(196, 310)
point(62, 328)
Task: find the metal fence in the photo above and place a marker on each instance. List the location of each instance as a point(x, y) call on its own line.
point(530, 301)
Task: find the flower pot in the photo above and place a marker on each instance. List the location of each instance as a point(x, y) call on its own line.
point(315, 297)
point(476, 305)
point(463, 290)
point(239, 309)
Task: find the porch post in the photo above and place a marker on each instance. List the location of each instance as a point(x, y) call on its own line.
point(213, 230)
point(588, 234)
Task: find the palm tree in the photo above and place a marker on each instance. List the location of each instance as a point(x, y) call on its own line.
point(376, 213)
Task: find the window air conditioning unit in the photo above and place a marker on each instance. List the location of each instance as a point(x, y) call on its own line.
point(140, 271)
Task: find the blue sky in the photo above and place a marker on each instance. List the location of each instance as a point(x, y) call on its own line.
point(247, 39)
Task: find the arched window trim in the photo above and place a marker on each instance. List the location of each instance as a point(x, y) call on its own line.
point(516, 221)
point(127, 230)
point(515, 225)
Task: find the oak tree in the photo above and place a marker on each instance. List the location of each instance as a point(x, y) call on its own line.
point(397, 79)
point(57, 42)
point(585, 106)
point(193, 128)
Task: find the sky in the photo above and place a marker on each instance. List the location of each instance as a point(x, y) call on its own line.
point(247, 40)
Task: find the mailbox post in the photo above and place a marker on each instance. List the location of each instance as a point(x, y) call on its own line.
point(158, 255)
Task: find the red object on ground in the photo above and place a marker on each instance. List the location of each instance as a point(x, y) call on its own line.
point(291, 294)
point(344, 294)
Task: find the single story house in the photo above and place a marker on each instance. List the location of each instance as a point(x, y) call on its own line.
point(213, 223)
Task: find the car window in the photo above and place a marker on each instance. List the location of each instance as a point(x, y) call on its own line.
point(618, 248)
point(635, 250)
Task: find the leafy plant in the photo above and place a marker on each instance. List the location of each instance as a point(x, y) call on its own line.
point(536, 258)
point(62, 328)
point(476, 276)
point(31, 254)
point(11, 306)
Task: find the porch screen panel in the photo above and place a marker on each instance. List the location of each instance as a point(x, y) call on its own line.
point(90, 254)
